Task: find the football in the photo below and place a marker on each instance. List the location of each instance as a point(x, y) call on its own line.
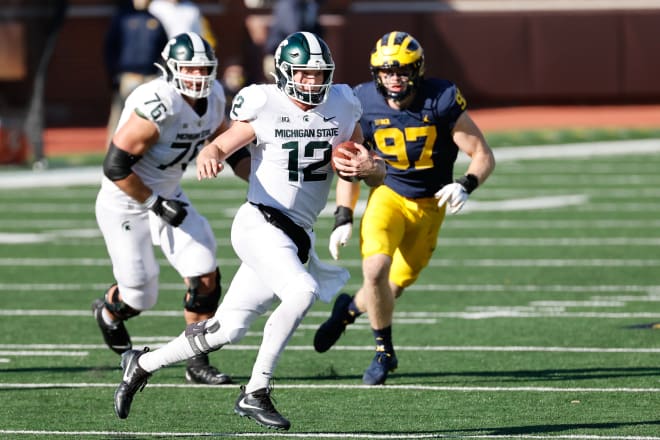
point(340, 152)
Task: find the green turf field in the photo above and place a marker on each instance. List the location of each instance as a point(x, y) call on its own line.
point(534, 320)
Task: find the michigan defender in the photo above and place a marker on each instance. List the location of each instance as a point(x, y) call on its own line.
point(417, 126)
point(294, 124)
point(163, 125)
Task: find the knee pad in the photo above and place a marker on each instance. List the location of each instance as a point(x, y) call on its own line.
point(196, 334)
point(196, 302)
point(118, 307)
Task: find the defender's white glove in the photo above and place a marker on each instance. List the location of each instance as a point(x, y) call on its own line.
point(454, 194)
point(339, 237)
point(342, 230)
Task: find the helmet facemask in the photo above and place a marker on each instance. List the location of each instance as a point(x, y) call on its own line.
point(303, 51)
point(189, 50)
point(398, 51)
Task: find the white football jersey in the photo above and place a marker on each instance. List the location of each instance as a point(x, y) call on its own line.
point(182, 133)
point(290, 168)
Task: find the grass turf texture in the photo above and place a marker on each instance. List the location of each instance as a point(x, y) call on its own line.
point(528, 323)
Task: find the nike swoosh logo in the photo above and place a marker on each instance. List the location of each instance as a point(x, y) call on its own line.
point(244, 405)
point(328, 119)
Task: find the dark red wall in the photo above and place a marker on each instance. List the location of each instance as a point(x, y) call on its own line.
point(498, 58)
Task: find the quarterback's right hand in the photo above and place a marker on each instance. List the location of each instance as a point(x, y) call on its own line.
point(170, 210)
point(454, 195)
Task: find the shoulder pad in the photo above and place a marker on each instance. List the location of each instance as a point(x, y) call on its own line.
point(155, 100)
point(248, 102)
point(450, 102)
point(348, 94)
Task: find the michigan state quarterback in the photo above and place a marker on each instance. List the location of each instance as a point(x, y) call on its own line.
point(294, 124)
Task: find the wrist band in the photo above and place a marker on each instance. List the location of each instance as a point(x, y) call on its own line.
point(343, 215)
point(469, 182)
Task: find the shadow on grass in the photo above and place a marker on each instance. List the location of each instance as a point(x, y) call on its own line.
point(545, 429)
point(550, 375)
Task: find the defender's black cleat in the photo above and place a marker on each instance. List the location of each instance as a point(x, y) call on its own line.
point(258, 407)
point(380, 366)
point(331, 330)
point(199, 370)
point(117, 337)
point(133, 380)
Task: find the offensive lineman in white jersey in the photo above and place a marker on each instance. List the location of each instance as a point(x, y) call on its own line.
point(294, 124)
point(163, 125)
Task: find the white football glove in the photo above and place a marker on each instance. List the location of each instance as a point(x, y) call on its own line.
point(454, 195)
point(339, 237)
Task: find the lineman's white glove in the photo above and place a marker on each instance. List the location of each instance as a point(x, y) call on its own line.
point(342, 230)
point(456, 194)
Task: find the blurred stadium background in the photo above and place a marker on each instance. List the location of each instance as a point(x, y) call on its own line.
point(502, 53)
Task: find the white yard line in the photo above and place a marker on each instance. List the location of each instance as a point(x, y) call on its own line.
point(82, 349)
point(336, 386)
point(322, 435)
point(92, 175)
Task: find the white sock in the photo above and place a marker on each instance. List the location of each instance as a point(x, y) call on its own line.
point(177, 350)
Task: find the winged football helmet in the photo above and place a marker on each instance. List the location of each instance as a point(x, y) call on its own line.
point(303, 51)
point(189, 50)
point(398, 50)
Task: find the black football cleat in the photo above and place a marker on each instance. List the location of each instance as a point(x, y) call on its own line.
point(331, 330)
point(117, 337)
point(258, 407)
point(380, 366)
point(200, 371)
point(133, 380)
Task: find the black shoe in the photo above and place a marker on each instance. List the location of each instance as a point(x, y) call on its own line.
point(380, 366)
point(259, 408)
point(199, 370)
point(117, 337)
point(331, 330)
point(133, 380)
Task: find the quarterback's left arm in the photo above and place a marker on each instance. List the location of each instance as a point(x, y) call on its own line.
point(469, 139)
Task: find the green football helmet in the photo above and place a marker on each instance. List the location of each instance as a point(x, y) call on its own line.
point(303, 51)
point(189, 50)
point(398, 50)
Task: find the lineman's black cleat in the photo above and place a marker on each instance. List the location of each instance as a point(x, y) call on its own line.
point(380, 366)
point(116, 337)
point(133, 380)
point(331, 330)
point(258, 407)
point(199, 370)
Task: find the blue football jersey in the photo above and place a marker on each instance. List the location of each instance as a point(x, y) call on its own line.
point(415, 143)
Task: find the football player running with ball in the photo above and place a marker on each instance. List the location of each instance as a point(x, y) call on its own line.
point(417, 126)
point(294, 125)
point(140, 205)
